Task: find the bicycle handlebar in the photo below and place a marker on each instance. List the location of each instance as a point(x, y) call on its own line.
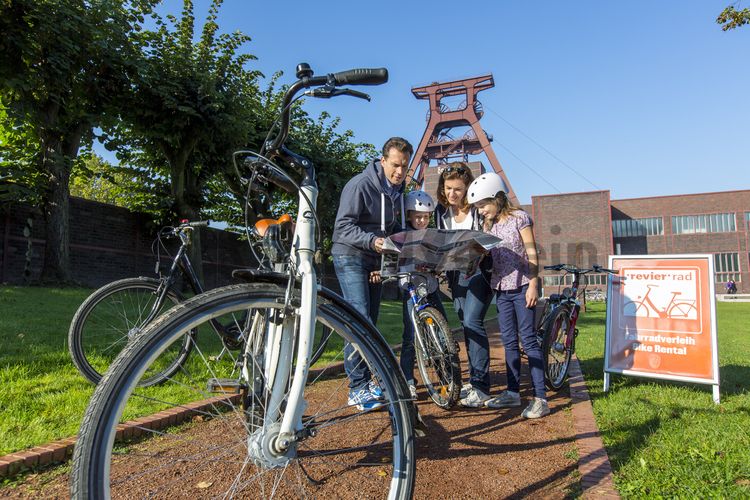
point(278, 179)
point(361, 76)
point(198, 223)
point(358, 76)
point(577, 270)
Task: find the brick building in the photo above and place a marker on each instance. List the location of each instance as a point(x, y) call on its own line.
point(586, 228)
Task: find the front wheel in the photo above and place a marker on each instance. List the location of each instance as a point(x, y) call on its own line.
point(437, 357)
point(555, 351)
point(229, 444)
point(114, 315)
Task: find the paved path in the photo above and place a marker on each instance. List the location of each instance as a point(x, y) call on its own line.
point(481, 453)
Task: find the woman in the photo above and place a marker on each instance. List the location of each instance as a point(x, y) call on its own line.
point(472, 295)
point(515, 281)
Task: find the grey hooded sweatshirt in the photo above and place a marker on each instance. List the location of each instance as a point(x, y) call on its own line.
point(369, 208)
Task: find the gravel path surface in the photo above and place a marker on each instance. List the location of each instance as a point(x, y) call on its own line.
point(468, 453)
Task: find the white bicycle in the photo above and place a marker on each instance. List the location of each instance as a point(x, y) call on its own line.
point(277, 428)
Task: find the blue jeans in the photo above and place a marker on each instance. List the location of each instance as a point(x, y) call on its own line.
point(515, 318)
point(471, 303)
point(408, 352)
point(353, 273)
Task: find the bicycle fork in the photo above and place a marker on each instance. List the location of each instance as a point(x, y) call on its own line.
point(274, 444)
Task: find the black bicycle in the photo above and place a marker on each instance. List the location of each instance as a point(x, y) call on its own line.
point(118, 312)
point(556, 328)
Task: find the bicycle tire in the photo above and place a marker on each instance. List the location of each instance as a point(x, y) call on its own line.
point(109, 318)
point(436, 337)
point(320, 344)
point(217, 450)
point(556, 355)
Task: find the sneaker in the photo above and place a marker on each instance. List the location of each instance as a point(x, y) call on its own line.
point(506, 399)
point(413, 391)
point(475, 399)
point(375, 390)
point(363, 399)
point(465, 390)
point(536, 409)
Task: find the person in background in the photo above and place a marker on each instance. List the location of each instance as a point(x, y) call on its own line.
point(371, 209)
point(472, 295)
point(515, 281)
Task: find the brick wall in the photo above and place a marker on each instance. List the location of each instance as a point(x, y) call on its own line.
point(572, 228)
point(108, 243)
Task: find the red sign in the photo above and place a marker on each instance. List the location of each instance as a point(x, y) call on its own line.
point(661, 318)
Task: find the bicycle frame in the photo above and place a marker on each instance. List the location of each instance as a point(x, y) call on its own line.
point(181, 262)
point(568, 300)
point(280, 337)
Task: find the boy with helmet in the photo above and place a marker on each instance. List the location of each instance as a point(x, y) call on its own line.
point(515, 281)
point(419, 207)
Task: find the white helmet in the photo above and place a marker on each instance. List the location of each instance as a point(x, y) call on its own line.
point(419, 201)
point(486, 186)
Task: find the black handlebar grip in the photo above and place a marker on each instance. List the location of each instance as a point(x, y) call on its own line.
point(361, 76)
point(279, 180)
point(200, 223)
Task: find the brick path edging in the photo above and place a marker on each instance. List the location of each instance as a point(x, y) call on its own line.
point(593, 462)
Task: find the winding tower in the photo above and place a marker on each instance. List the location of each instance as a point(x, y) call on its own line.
point(439, 143)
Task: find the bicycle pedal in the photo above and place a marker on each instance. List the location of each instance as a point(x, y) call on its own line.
point(224, 386)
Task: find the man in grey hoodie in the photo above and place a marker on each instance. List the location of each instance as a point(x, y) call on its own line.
point(370, 210)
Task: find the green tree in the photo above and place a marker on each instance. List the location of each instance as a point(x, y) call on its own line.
point(191, 105)
point(62, 63)
point(731, 18)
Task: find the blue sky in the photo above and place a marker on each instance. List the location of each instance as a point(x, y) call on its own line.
point(641, 98)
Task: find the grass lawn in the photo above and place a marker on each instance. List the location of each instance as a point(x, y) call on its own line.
point(668, 439)
point(43, 396)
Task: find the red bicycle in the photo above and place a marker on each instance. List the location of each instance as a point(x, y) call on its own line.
point(557, 330)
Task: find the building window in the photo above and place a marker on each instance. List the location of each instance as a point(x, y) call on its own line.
point(747, 220)
point(707, 223)
point(727, 266)
point(625, 228)
point(557, 280)
point(596, 279)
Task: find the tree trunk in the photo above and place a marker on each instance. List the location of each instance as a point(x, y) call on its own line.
point(56, 162)
point(187, 199)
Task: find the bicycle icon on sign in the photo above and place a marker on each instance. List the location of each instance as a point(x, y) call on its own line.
point(676, 309)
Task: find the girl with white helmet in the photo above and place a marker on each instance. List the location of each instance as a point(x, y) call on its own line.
point(515, 282)
point(472, 294)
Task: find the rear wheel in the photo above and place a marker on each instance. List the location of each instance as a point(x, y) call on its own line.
point(437, 358)
point(114, 315)
point(556, 353)
point(230, 446)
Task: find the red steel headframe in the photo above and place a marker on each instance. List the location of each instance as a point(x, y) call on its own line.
point(433, 146)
